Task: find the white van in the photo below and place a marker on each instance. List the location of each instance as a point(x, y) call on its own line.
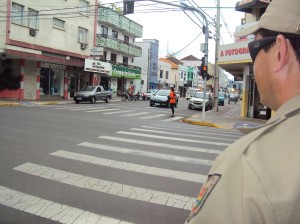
point(190, 92)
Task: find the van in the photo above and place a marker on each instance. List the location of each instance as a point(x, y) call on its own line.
point(190, 92)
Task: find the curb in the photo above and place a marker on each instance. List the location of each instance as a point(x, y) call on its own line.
point(201, 123)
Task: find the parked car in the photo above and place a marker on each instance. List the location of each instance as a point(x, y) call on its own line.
point(92, 94)
point(160, 98)
point(149, 93)
point(190, 92)
point(221, 98)
point(197, 100)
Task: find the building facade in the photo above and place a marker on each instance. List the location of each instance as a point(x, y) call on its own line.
point(235, 59)
point(46, 50)
point(148, 63)
point(54, 53)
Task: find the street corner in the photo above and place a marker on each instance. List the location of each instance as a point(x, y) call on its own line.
point(200, 123)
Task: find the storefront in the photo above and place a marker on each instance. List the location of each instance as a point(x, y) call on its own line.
point(124, 79)
point(235, 59)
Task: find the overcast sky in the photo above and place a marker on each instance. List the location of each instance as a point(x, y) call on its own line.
point(175, 30)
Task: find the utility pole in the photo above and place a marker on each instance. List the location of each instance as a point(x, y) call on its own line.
point(216, 81)
point(130, 4)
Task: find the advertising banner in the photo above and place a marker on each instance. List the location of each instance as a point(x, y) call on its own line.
point(129, 73)
point(97, 66)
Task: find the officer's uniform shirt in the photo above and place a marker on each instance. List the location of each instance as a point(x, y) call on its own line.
point(257, 179)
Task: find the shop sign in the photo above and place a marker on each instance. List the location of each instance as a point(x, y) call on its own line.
point(97, 66)
point(53, 66)
point(96, 51)
point(125, 72)
point(242, 2)
point(234, 52)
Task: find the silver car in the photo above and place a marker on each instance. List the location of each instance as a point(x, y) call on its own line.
point(160, 98)
point(197, 100)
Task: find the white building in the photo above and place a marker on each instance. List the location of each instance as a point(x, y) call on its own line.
point(164, 75)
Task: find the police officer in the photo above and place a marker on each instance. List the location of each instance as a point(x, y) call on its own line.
point(257, 179)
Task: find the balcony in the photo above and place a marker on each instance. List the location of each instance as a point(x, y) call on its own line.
point(248, 5)
point(120, 22)
point(109, 42)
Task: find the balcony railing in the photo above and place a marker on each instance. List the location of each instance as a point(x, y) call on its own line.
point(114, 19)
point(109, 42)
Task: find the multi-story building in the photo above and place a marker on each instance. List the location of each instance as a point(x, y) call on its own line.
point(235, 59)
point(116, 36)
point(148, 63)
point(164, 75)
point(45, 45)
point(48, 48)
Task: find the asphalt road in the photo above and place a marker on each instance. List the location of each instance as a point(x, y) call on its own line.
point(121, 162)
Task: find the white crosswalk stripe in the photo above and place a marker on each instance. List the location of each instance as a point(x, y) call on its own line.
point(119, 112)
point(193, 177)
point(153, 116)
point(50, 209)
point(147, 154)
point(108, 187)
point(135, 114)
point(172, 119)
point(101, 110)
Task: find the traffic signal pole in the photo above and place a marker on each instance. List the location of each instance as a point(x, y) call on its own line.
point(206, 32)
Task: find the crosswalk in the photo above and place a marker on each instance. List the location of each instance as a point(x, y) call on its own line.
point(165, 165)
point(147, 113)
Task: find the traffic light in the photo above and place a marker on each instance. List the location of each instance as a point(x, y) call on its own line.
point(203, 70)
point(128, 7)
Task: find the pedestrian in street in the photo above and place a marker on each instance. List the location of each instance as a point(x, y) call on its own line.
point(257, 178)
point(172, 101)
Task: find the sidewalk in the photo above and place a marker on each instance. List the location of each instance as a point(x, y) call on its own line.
point(227, 117)
point(10, 102)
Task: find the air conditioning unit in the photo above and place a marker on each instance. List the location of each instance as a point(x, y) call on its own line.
point(32, 32)
point(83, 46)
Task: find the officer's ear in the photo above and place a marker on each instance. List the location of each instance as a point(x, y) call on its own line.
point(281, 49)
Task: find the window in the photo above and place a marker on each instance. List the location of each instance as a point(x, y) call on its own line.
point(161, 74)
point(114, 34)
point(58, 23)
point(126, 39)
point(83, 7)
point(104, 31)
point(17, 15)
point(167, 74)
point(113, 58)
point(82, 35)
point(125, 61)
point(33, 21)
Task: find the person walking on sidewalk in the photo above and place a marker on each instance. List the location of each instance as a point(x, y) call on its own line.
point(257, 178)
point(172, 101)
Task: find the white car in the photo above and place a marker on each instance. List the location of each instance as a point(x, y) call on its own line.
point(149, 93)
point(197, 100)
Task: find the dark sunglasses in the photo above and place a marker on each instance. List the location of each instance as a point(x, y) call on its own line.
point(256, 45)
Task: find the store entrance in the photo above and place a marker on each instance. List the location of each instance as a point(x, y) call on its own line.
point(50, 83)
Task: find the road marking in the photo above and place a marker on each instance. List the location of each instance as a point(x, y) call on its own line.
point(85, 108)
point(119, 112)
point(68, 107)
point(179, 134)
point(201, 132)
point(193, 177)
point(172, 119)
point(107, 187)
point(136, 114)
point(157, 144)
point(171, 138)
point(51, 210)
point(154, 116)
point(101, 110)
point(147, 154)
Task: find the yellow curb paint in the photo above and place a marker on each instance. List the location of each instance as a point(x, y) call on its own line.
point(201, 123)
